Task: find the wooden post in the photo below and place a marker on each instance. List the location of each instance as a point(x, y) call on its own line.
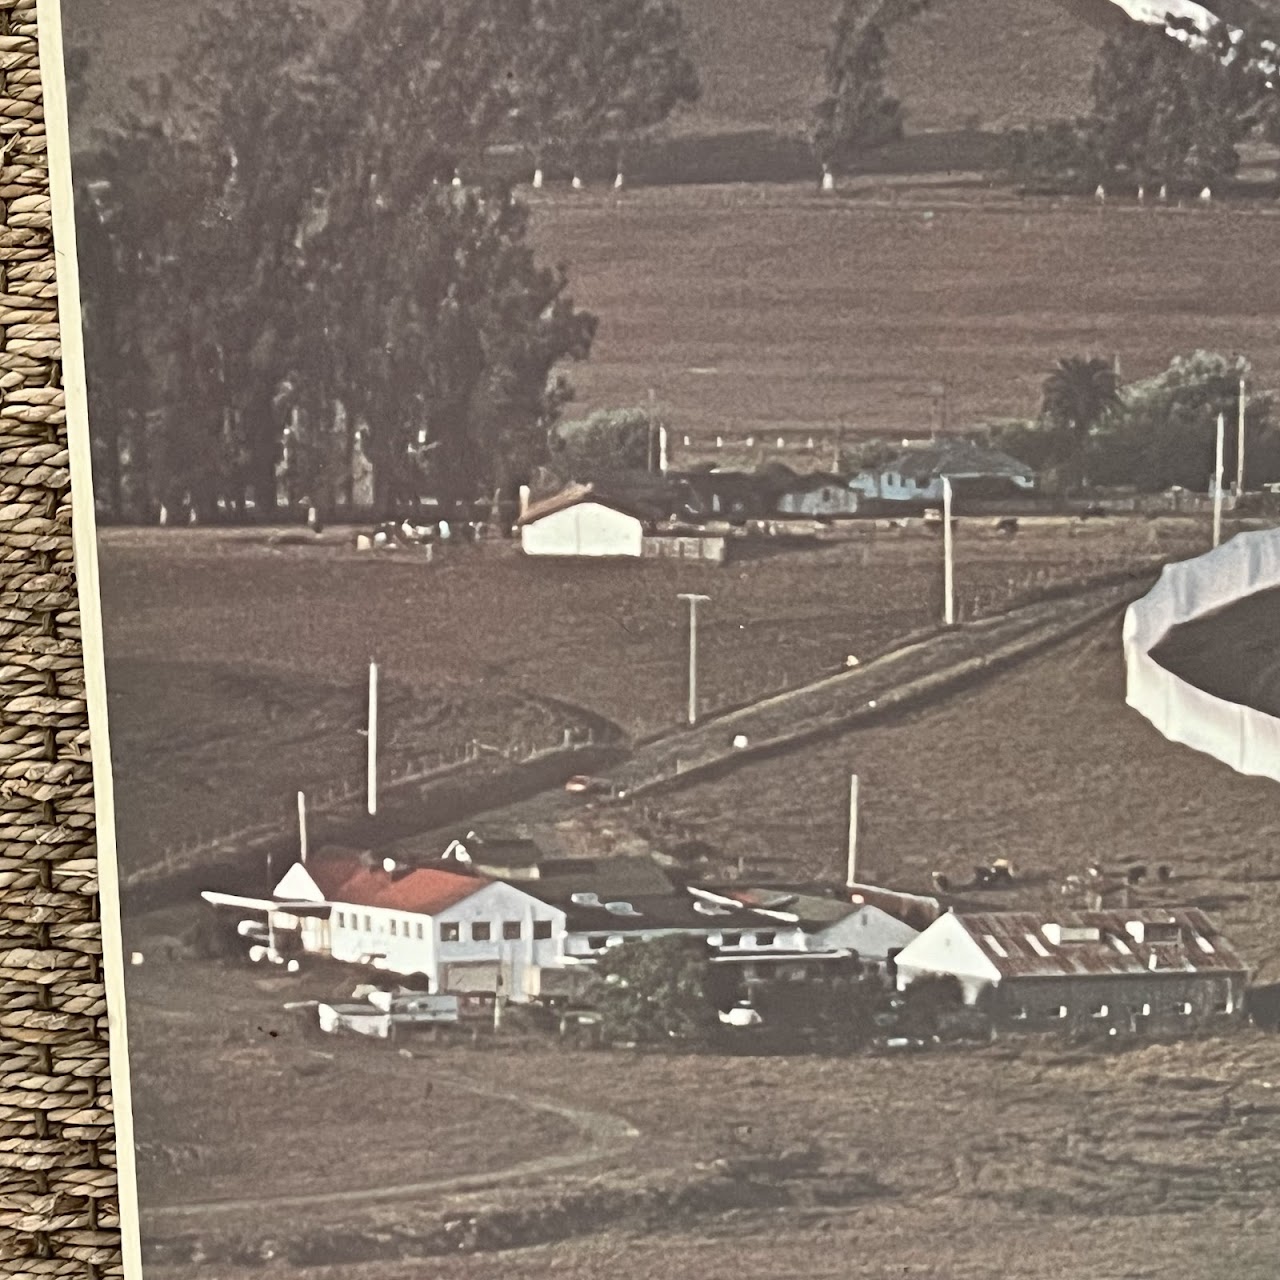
point(498, 996)
point(852, 874)
point(372, 782)
point(1217, 485)
point(948, 558)
point(652, 452)
point(302, 826)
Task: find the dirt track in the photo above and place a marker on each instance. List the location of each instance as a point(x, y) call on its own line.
point(602, 1135)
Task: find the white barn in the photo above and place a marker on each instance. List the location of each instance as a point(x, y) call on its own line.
point(581, 522)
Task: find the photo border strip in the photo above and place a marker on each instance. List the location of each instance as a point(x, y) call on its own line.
point(84, 534)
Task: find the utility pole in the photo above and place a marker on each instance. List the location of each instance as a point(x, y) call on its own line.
point(302, 826)
point(1240, 443)
point(372, 782)
point(948, 558)
point(653, 429)
point(851, 878)
point(1217, 484)
point(694, 602)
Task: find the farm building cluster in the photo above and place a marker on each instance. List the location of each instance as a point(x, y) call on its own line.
point(692, 514)
point(493, 920)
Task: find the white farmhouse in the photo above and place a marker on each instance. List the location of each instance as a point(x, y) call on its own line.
point(463, 933)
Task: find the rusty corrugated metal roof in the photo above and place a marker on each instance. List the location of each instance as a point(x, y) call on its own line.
point(1026, 944)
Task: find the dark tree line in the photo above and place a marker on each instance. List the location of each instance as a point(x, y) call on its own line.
point(1151, 434)
point(286, 282)
point(1168, 111)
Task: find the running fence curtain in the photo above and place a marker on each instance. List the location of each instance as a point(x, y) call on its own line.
point(1242, 737)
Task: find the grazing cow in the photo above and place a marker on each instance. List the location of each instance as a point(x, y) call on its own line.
point(941, 881)
point(998, 873)
point(1136, 874)
point(1164, 874)
point(1006, 527)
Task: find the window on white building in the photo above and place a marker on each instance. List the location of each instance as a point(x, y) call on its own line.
point(450, 933)
point(512, 930)
point(394, 928)
point(342, 919)
point(368, 925)
point(481, 931)
point(766, 939)
point(420, 931)
point(542, 928)
point(597, 942)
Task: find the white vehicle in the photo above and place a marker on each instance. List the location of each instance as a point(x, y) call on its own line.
point(741, 1015)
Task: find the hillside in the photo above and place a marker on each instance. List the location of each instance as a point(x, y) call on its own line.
point(967, 61)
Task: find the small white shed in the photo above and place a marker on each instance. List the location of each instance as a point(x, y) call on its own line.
point(581, 522)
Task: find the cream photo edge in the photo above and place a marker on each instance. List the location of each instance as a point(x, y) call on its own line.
point(84, 533)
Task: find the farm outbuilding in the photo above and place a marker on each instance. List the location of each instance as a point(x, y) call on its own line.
point(818, 497)
point(1105, 971)
point(581, 522)
point(829, 924)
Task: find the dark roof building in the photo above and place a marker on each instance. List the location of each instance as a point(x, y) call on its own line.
point(1112, 970)
point(916, 474)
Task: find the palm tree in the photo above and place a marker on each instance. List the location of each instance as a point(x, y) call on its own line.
point(1078, 395)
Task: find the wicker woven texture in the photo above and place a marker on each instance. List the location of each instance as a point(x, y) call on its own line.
point(58, 1206)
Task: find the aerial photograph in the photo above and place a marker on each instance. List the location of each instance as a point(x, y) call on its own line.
point(689, 593)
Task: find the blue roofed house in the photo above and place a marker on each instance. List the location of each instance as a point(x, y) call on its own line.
point(916, 473)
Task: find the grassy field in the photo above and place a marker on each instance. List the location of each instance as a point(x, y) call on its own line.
point(994, 1164)
point(236, 669)
point(770, 310)
point(193, 1147)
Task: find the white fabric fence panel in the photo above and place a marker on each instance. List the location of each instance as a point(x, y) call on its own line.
point(1246, 739)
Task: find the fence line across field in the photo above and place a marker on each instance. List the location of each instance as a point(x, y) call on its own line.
point(336, 796)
